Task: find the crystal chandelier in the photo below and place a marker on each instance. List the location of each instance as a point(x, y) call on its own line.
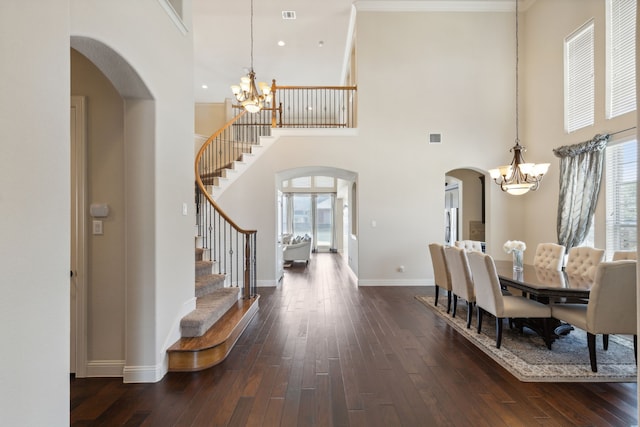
point(518, 177)
point(247, 92)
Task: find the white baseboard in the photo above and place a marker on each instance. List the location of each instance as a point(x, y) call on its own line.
point(105, 368)
point(145, 374)
point(389, 282)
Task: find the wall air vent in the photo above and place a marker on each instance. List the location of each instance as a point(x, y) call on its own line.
point(288, 14)
point(435, 138)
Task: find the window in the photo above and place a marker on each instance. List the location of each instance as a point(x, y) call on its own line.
point(621, 58)
point(621, 175)
point(579, 80)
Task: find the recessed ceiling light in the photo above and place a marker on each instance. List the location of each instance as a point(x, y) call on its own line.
point(281, 43)
point(205, 87)
point(288, 14)
point(320, 43)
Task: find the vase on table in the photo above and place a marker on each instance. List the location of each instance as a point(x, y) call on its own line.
point(518, 256)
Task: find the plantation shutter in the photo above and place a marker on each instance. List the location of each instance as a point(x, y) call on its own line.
point(621, 178)
point(621, 58)
point(579, 79)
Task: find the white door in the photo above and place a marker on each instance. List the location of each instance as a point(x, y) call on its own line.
point(77, 361)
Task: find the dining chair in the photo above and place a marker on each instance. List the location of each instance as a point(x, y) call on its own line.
point(620, 255)
point(441, 274)
point(490, 299)
point(549, 256)
point(583, 261)
point(461, 281)
point(611, 308)
point(469, 245)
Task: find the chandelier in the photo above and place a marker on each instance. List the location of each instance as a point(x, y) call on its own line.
point(518, 177)
point(247, 92)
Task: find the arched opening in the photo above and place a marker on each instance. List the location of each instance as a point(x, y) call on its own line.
point(465, 215)
point(119, 124)
point(319, 202)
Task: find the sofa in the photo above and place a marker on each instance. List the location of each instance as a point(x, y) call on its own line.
point(296, 248)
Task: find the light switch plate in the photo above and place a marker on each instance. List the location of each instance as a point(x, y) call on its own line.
point(97, 227)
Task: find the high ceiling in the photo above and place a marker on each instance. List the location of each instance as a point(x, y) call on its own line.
point(315, 42)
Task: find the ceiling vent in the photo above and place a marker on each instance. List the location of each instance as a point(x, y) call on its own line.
point(288, 14)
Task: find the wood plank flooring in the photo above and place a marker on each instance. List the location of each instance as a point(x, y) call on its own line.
point(322, 352)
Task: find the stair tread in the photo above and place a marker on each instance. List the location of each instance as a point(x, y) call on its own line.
point(208, 283)
point(209, 309)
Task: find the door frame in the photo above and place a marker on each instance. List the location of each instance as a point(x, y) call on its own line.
point(78, 237)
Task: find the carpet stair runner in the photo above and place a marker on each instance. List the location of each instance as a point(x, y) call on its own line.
point(210, 331)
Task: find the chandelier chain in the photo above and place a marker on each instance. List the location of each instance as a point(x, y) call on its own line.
point(517, 81)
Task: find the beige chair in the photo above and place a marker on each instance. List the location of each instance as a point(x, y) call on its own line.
point(620, 255)
point(469, 245)
point(611, 308)
point(441, 273)
point(490, 299)
point(549, 256)
point(461, 281)
point(583, 261)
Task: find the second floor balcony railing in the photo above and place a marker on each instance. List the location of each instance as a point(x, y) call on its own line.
point(305, 107)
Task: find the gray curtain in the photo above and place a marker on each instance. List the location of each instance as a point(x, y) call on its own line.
point(580, 175)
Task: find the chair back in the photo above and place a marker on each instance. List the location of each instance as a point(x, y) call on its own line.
point(583, 261)
point(620, 255)
point(549, 256)
point(612, 300)
point(469, 245)
point(441, 274)
point(486, 283)
point(461, 281)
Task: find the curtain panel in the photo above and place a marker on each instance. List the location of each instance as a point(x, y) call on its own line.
point(580, 177)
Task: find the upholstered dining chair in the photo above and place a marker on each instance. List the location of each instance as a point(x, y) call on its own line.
point(549, 256)
point(620, 255)
point(611, 308)
point(469, 245)
point(441, 274)
point(461, 281)
point(583, 261)
point(490, 299)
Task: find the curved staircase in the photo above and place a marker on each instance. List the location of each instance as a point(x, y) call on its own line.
point(210, 331)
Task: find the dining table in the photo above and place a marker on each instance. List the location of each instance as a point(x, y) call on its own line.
point(546, 286)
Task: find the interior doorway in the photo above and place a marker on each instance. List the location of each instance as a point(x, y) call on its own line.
point(77, 285)
point(465, 200)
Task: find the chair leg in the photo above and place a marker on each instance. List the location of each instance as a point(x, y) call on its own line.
point(635, 347)
point(437, 292)
point(479, 316)
point(591, 342)
point(448, 301)
point(546, 324)
point(469, 313)
point(605, 342)
point(498, 331)
point(455, 305)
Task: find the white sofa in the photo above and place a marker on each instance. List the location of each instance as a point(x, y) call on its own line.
point(296, 248)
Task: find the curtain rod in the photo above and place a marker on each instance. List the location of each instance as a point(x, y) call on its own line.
point(620, 131)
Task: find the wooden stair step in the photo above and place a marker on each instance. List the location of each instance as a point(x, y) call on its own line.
point(198, 353)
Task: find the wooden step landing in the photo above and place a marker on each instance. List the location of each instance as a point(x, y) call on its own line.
point(198, 353)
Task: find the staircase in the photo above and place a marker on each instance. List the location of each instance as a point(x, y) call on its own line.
point(210, 331)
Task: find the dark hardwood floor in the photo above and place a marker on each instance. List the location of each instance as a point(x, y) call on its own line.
point(322, 352)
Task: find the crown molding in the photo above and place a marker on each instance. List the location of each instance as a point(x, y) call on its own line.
point(440, 5)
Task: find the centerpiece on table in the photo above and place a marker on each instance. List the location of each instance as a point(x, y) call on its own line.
point(516, 248)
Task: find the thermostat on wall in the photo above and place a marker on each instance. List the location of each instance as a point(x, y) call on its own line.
point(99, 210)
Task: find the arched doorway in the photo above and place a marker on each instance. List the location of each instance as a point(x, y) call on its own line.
point(465, 193)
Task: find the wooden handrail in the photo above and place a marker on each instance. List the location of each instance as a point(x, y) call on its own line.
point(199, 178)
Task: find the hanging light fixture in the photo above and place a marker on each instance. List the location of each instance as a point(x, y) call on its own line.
point(518, 177)
point(247, 92)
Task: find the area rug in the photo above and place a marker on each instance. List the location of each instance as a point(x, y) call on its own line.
point(527, 358)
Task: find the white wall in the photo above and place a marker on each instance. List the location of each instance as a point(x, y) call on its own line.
point(158, 168)
point(547, 24)
point(458, 64)
point(35, 206)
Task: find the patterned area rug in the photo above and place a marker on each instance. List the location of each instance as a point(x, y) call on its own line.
point(526, 356)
